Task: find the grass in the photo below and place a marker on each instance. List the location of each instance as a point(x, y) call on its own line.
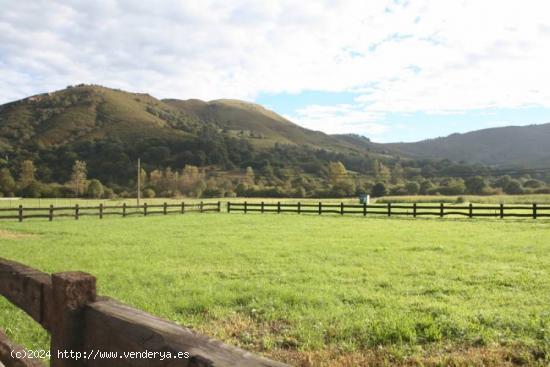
point(478, 199)
point(315, 290)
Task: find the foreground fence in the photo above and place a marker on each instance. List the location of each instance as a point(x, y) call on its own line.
point(88, 330)
point(414, 210)
point(21, 213)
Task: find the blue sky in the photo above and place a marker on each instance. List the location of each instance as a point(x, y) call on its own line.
point(413, 126)
point(387, 69)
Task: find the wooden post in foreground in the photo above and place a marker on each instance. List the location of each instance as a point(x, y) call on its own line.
point(320, 208)
point(76, 211)
point(71, 291)
point(534, 211)
point(441, 210)
point(470, 210)
point(123, 210)
point(51, 212)
point(414, 210)
point(501, 210)
point(101, 211)
point(20, 213)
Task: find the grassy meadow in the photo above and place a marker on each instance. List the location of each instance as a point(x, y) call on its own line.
point(314, 291)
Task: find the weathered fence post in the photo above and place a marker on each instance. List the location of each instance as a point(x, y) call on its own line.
point(123, 210)
point(441, 210)
point(299, 208)
point(534, 210)
point(364, 208)
point(76, 211)
point(278, 207)
point(164, 208)
point(320, 208)
point(20, 213)
point(245, 207)
point(71, 291)
point(219, 206)
point(501, 210)
point(471, 211)
point(262, 207)
point(229, 206)
point(182, 207)
point(100, 210)
point(389, 209)
point(201, 206)
point(341, 208)
point(51, 212)
point(144, 209)
point(414, 210)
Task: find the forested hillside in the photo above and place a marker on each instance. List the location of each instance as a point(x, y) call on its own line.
point(85, 140)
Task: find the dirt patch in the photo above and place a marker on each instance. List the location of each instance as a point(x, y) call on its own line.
point(495, 356)
point(10, 235)
point(245, 332)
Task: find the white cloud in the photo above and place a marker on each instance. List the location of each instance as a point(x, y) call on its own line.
point(439, 56)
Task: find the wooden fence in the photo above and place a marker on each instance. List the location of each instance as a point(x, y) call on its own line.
point(92, 331)
point(21, 213)
point(414, 210)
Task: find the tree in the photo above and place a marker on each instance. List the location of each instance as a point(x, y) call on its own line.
point(78, 177)
point(336, 172)
point(7, 183)
point(412, 188)
point(27, 173)
point(475, 185)
point(513, 187)
point(249, 176)
point(95, 189)
point(378, 190)
point(425, 187)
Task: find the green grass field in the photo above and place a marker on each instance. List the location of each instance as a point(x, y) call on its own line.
point(314, 290)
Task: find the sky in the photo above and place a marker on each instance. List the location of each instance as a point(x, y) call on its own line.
point(389, 70)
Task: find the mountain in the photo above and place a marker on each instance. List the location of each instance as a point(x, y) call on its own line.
point(88, 112)
point(510, 146)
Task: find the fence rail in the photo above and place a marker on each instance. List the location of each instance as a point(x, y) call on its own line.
point(79, 321)
point(534, 211)
point(414, 210)
point(21, 213)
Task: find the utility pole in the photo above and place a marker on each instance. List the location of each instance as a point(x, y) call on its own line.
point(138, 180)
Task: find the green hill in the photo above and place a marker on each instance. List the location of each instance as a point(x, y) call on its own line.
point(510, 146)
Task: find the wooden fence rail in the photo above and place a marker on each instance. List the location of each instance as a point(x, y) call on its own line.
point(21, 213)
point(86, 325)
point(414, 210)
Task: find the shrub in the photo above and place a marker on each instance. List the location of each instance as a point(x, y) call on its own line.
point(95, 189)
point(378, 190)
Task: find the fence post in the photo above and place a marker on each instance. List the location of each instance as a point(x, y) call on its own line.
point(470, 210)
point(262, 207)
point(20, 213)
point(364, 208)
point(389, 209)
point(341, 208)
point(299, 208)
point(201, 206)
point(278, 207)
point(534, 210)
point(229, 206)
point(441, 210)
point(144, 209)
point(71, 291)
point(100, 210)
point(501, 210)
point(219, 206)
point(76, 211)
point(245, 207)
point(182, 207)
point(320, 208)
point(51, 212)
point(164, 208)
point(123, 210)
point(414, 210)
